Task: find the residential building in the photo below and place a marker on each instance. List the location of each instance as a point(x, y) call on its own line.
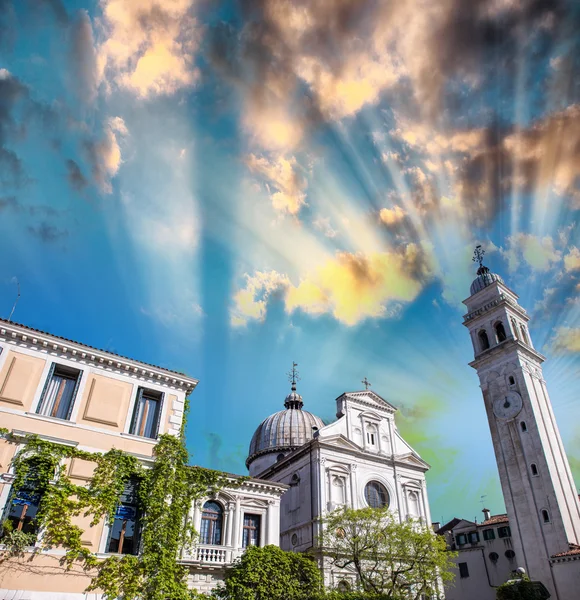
point(537, 484)
point(95, 400)
point(485, 556)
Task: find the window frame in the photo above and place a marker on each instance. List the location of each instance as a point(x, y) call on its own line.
point(129, 499)
point(463, 570)
point(483, 338)
point(381, 490)
point(55, 366)
point(133, 423)
point(459, 537)
point(488, 534)
point(247, 529)
point(211, 531)
point(473, 537)
point(504, 531)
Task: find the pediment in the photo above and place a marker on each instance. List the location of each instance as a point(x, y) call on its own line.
point(340, 441)
point(254, 503)
point(412, 460)
point(371, 399)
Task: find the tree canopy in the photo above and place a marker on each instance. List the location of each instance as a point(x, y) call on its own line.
point(390, 558)
point(269, 573)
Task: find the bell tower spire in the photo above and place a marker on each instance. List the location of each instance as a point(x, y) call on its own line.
point(537, 484)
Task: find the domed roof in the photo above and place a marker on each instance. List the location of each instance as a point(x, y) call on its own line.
point(484, 278)
point(285, 430)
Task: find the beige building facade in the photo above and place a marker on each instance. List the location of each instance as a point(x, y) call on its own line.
point(76, 395)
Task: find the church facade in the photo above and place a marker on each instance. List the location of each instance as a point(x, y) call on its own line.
point(358, 460)
point(537, 484)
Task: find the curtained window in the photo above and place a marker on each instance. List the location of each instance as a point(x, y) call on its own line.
point(211, 524)
point(59, 392)
point(145, 422)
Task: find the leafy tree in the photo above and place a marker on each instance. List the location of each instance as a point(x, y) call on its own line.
point(271, 574)
point(392, 559)
point(524, 589)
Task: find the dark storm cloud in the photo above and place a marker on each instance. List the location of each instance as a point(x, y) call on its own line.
point(545, 154)
point(75, 176)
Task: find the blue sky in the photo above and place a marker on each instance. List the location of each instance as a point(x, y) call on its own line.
point(223, 188)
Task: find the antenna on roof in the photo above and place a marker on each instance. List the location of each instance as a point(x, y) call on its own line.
point(17, 298)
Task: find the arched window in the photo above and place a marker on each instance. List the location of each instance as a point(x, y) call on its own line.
point(211, 524)
point(372, 434)
point(279, 457)
point(534, 469)
point(493, 556)
point(343, 586)
point(414, 504)
point(524, 334)
point(512, 380)
point(483, 340)
point(500, 332)
point(376, 495)
point(514, 328)
point(510, 554)
point(545, 516)
point(523, 426)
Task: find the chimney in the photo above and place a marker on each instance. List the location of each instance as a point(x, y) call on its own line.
point(436, 526)
point(486, 514)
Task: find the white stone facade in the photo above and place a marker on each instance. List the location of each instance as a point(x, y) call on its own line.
point(333, 468)
point(207, 562)
point(537, 484)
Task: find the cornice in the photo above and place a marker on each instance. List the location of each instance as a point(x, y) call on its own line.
point(508, 344)
point(358, 397)
point(501, 300)
point(26, 337)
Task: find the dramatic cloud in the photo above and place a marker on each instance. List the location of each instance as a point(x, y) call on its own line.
point(567, 339)
point(104, 155)
point(150, 45)
point(12, 92)
point(83, 57)
point(251, 302)
point(75, 176)
point(350, 287)
point(285, 185)
point(538, 252)
point(572, 259)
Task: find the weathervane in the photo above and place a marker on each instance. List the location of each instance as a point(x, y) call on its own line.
point(293, 376)
point(478, 255)
point(366, 383)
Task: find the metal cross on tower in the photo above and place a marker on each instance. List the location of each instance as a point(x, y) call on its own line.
point(366, 383)
point(293, 376)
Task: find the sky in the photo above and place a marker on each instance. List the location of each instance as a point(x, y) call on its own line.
point(222, 188)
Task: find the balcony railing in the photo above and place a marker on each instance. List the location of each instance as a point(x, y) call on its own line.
point(211, 555)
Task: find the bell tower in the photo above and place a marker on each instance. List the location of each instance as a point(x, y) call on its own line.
point(537, 484)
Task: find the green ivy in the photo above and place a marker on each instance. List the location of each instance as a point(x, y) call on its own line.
point(166, 492)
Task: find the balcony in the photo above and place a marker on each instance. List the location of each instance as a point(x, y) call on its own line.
point(210, 555)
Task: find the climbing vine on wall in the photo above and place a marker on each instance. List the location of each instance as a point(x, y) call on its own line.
point(166, 491)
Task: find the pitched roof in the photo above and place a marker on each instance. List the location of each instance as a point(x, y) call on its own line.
point(449, 526)
point(574, 551)
point(495, 520)
point(5, 323)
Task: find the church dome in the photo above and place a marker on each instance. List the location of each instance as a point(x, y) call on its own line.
point(285, 430)
point(484, 278)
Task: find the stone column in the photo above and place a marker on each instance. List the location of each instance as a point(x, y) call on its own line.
point(231, 523)
point(236, 536)
point(273, 517)
point(352, 478)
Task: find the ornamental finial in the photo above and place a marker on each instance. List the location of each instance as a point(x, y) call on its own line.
point(366, 383)
point(293, 376)
point(478, 255)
